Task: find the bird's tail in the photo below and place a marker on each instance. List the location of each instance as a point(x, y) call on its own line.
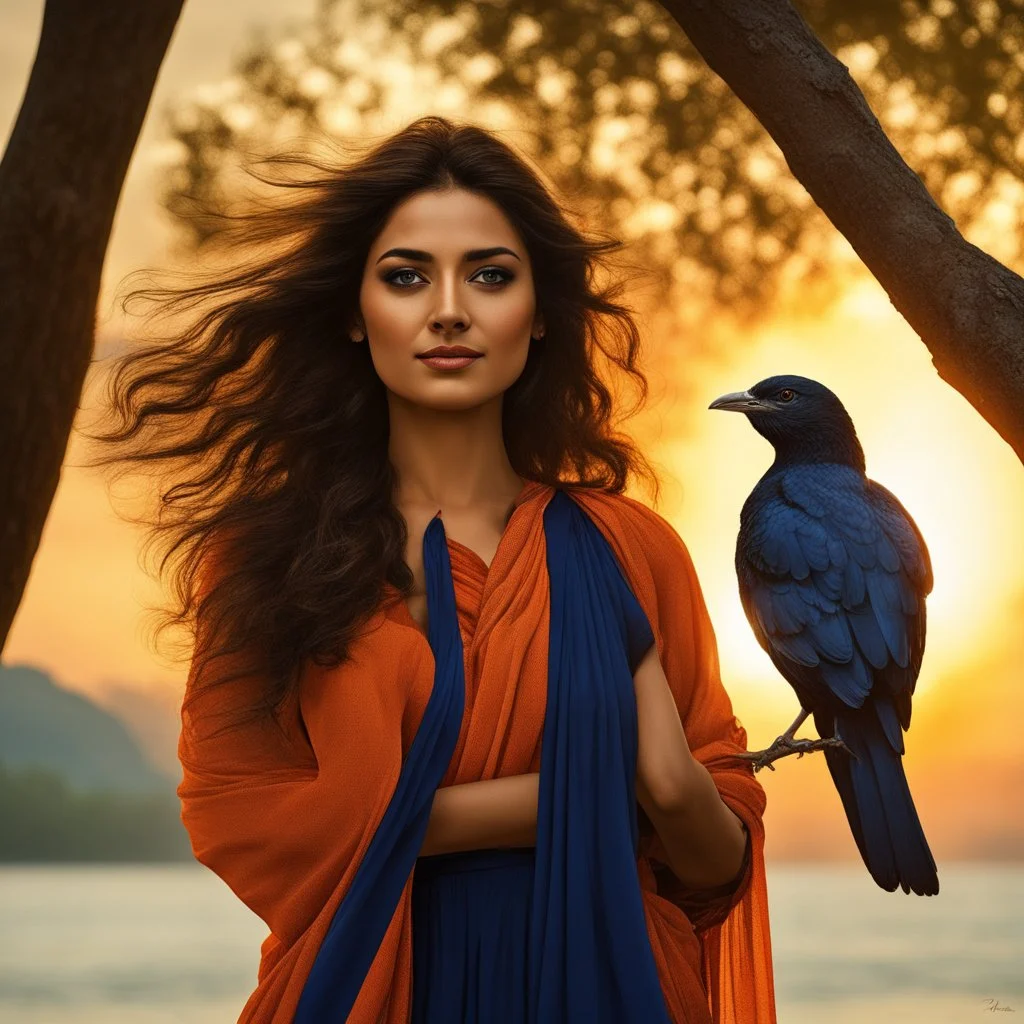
point(877, 799)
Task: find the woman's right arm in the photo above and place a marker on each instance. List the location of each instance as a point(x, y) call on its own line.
point(483, 815)
point(281, 820)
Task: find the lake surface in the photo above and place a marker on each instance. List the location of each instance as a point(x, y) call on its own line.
point(115, 944)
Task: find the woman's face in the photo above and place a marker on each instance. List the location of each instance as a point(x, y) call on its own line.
point(469, 282)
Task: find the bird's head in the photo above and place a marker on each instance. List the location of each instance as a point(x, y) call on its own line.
point(804, 420)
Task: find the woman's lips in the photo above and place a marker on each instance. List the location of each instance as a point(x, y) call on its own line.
point(447, 362)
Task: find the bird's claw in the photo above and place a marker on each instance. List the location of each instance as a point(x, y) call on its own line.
point(786, 745)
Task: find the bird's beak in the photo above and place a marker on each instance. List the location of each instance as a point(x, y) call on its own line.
point(737, 401)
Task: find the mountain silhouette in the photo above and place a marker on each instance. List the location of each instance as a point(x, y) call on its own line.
point(43, 725)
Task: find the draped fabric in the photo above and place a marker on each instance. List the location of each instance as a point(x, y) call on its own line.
point(470, 936)
point(589, 955)
point(527, 666)
point(362, 917)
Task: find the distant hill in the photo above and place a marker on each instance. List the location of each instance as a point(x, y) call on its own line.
point(152, 715)
point(45, 726)
point(44, 821)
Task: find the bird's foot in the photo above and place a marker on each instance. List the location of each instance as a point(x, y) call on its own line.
point(786, 745)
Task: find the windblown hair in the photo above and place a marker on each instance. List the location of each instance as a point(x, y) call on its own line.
point(269, 429)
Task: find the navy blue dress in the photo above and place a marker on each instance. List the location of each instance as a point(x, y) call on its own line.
point(470, 932)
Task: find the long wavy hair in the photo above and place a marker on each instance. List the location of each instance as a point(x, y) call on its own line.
point(268, 433)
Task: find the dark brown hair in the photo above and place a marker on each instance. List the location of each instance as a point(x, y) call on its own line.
point(268, 429)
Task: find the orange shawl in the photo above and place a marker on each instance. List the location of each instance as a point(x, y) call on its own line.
point(285, 821)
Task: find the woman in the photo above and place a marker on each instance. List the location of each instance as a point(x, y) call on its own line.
point(453, 727)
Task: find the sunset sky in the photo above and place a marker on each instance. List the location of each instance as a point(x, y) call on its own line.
point(81, 616)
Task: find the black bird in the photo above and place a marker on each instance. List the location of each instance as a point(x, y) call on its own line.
point(833, 574)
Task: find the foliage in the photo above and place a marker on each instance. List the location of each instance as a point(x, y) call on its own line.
point(44, 820)
point(620, 108)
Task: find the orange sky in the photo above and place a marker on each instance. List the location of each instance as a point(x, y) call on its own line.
point(80, 618)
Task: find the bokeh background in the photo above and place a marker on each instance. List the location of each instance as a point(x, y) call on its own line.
point(746, 279)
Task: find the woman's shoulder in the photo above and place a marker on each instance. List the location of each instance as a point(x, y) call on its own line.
point(633, 521)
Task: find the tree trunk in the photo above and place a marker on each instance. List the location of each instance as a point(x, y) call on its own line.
point(966, 306)
point(60, 181)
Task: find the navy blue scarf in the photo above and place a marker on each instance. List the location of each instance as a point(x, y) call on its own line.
point(590, 958)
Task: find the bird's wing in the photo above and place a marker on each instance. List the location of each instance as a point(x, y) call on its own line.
point(833, 574)
point(901, 529)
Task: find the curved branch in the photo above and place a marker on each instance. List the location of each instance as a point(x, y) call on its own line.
point(965, 305)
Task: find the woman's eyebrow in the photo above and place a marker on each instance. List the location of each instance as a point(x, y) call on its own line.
point(423, 256)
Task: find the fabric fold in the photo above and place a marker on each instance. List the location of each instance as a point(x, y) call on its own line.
point(362, 918)
point(590, 958)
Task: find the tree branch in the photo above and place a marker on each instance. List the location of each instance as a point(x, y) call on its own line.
point(966, 306)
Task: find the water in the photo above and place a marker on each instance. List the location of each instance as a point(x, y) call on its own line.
point(111, 944)
point(847, 952)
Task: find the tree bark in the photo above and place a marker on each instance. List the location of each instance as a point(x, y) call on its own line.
point(966, 306)
point(60, 181)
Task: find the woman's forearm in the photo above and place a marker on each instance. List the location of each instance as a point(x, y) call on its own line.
point(483, 815)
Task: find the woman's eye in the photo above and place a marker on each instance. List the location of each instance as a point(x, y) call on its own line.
point(786, 395)
point(393, 278)
point(504, 275)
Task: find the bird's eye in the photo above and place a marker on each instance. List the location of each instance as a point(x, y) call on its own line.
point(787, 395)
